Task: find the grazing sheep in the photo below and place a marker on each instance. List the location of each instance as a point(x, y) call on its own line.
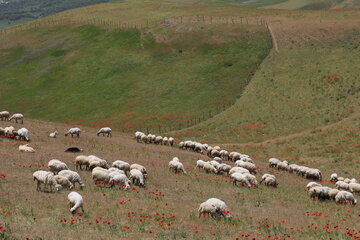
point(139, 167)
point(341, 185)
point(199, 148)
point(239, 170)
point(26, 148)
point(23, 134)
point(223, 168)
point(176, 166)
point(122, 166)
point(181, 145)
point(75, 202)
point(224, 155)
point(17, 116)
point(171, 141)
point(95, 161)
point(341, 179)
point(252, 179)
point(46, 178)
point(347, 180)
point(165, 140)
point(158, 140)
point(354, 188)
point(209, 168)
point(241, 178)
point(270, 182)
point(64, 182)
point(247, 165)
point(137, 177)
point(9, 131)
point(321, 193)
point(332, 193)
point(302, 170)
point(104, 130)
point(314, 174)
point(113, 169)
point(199, 164)
point(273, 162)
point(313, 184)
point(293, 168)
point(215, 153)
point(345, 197)
point(214, 163)
point(73, 131)
point(80, 161)
point(334, 177)
point(56, 166)
point(4, 115)
point(54, 134)
point(120, 179)
point(145, 139)
point(234, 156)
point(210, 209)
point(353, 180)
point(266, 175)
point(284, 166)
point(221, 206)
point(217, 159)
point(73, 177)
point(138, 136)
point(101, 175)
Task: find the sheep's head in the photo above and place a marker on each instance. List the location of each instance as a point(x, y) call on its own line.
point(58, 187)
point(82, 186)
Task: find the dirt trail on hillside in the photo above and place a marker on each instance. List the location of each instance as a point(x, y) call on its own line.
point(295, 135)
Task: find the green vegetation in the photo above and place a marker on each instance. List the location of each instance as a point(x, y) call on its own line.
point(128, 78)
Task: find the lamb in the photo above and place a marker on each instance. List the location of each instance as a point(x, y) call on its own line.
point(176, 166)
point(313, 184)
point(104, 130)
point(137, 177)
point(26, 148)
point(56, 166)
point(64, 182)
point(17, 116)
point(80, 161)
point(209, 168)
point(199, 164)
point(345, 197)
point(341, 185)
point(73, 131)
point(23, 133)
point(239, 170)
point(208, 208)
point(122, 166)
point(75, 202)
point(332, 193)
point(314, 174)
point(247, 165)
point(4, 115)
point(142, 169)
point(171, 141)
point(46, 178)
point(102, 175)
point(334, 177)
point(73, 177)
point(354, 188)
point(239, 177)
point(223, 168)
point(273, 162)
point(54, 134)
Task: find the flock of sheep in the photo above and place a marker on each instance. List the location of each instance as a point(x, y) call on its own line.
point(151, 138)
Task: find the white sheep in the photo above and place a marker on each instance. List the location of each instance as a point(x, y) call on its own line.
point(145, 139)
point(333, 177)
point(293, 168)
point(95, 161)
point(345, 197)
point(341, 185)
point(122, 166)
point(273, 162)
point(247, 165)
point(221, 206)
point(80, 161)
point(54, 134)
point(199, 164)
point(210, 209)
point(165, 140)
point(313, 184)
point(252, 179)
point(120, 179)
point(73, 177)
point(171, 141)
point(17, 116)
point(321, 193)
point(46, 178)
point(176, 166)
point(332, 193)
point(64, 181)
point(137, 177)
point(223, 168)
point(215, 153)
point(354, 187)
point(139, 167)
point(56, 166)
point(23, 134)
point(314, 174)
point(214, 163)
point(241, 178)
point(224, 155)
point(104, 130)
point(209, 168)
point(217, 159)
point(347, 180)
point(138, 136)
point(76, 201)
point(73, 131)
point(270, 182)
point(284, 166)
point(101, 175)
point(239, 170)
point(26, 148)
point(158, 140)
point(4, 115)
point(9, 131)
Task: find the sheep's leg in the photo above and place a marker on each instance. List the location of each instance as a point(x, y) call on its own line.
point(37, 185)
point(22, 121)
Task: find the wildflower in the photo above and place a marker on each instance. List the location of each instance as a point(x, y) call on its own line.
point(126, 227)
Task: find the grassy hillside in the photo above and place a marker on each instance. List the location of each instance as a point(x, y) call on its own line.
point(129, 78)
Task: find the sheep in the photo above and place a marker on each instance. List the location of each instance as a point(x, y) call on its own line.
point(121, 179)
point(54, 134)
point(293, 168)
point(75, 202)
point(234, 156)
point(341, 179)
point(46, 178)
point(145, 139)
point(270, 182)
point(102, 175)
point(73, 131)
point(223, 168)
point(122, 166)
point(341, 185)
point(104, 130)
point(113, 169)
point(95, 161)
point(208, 208)
point(217, 159)
point(345, 197)
point(4, 115)
point(239, 177)
point(64, 181)
point(139, 167)
point(215, 153)
point(224, 155)
point(56, 166)
point(26, 148)
point(199, 164)
point(23, 133)
point(313, 184)
point(73, 177)
point(209, 168)
point(239, 170)
point(314, 174)
point(284, 166)
point(354, 187)
point(165, 140)
point(347, 180)
point(302, 170)
point(208, 151)
point(321, 193)
point(214, 163)
point(221, 206)
point(171, 141)
point(80, 161)
point(252, 179)
point(353, 180)
point(334, 177)
point(247, 165)
point(266, 175)
point(17, 116)
point(332, 193)
point(199, 148)
point(273, 162)
point(138, 136)
point(217, 148)
point(176, 166)
point(137, 177)
point(9, 131)
point(181, 145)
point(158, 140)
